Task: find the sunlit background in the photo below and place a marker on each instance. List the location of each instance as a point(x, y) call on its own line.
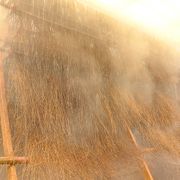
point(161, 17)
point(3, 14)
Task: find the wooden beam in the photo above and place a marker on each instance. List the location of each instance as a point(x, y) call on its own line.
point(143, 164)
point(13, 160)
point(5, 127)
point(49, 22)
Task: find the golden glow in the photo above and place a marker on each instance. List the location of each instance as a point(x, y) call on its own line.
point(3, 28)
point(158, 16)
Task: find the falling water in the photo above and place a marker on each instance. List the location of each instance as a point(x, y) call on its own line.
point(76, 78)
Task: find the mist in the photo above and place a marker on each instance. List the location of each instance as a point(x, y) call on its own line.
point(77, 80)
